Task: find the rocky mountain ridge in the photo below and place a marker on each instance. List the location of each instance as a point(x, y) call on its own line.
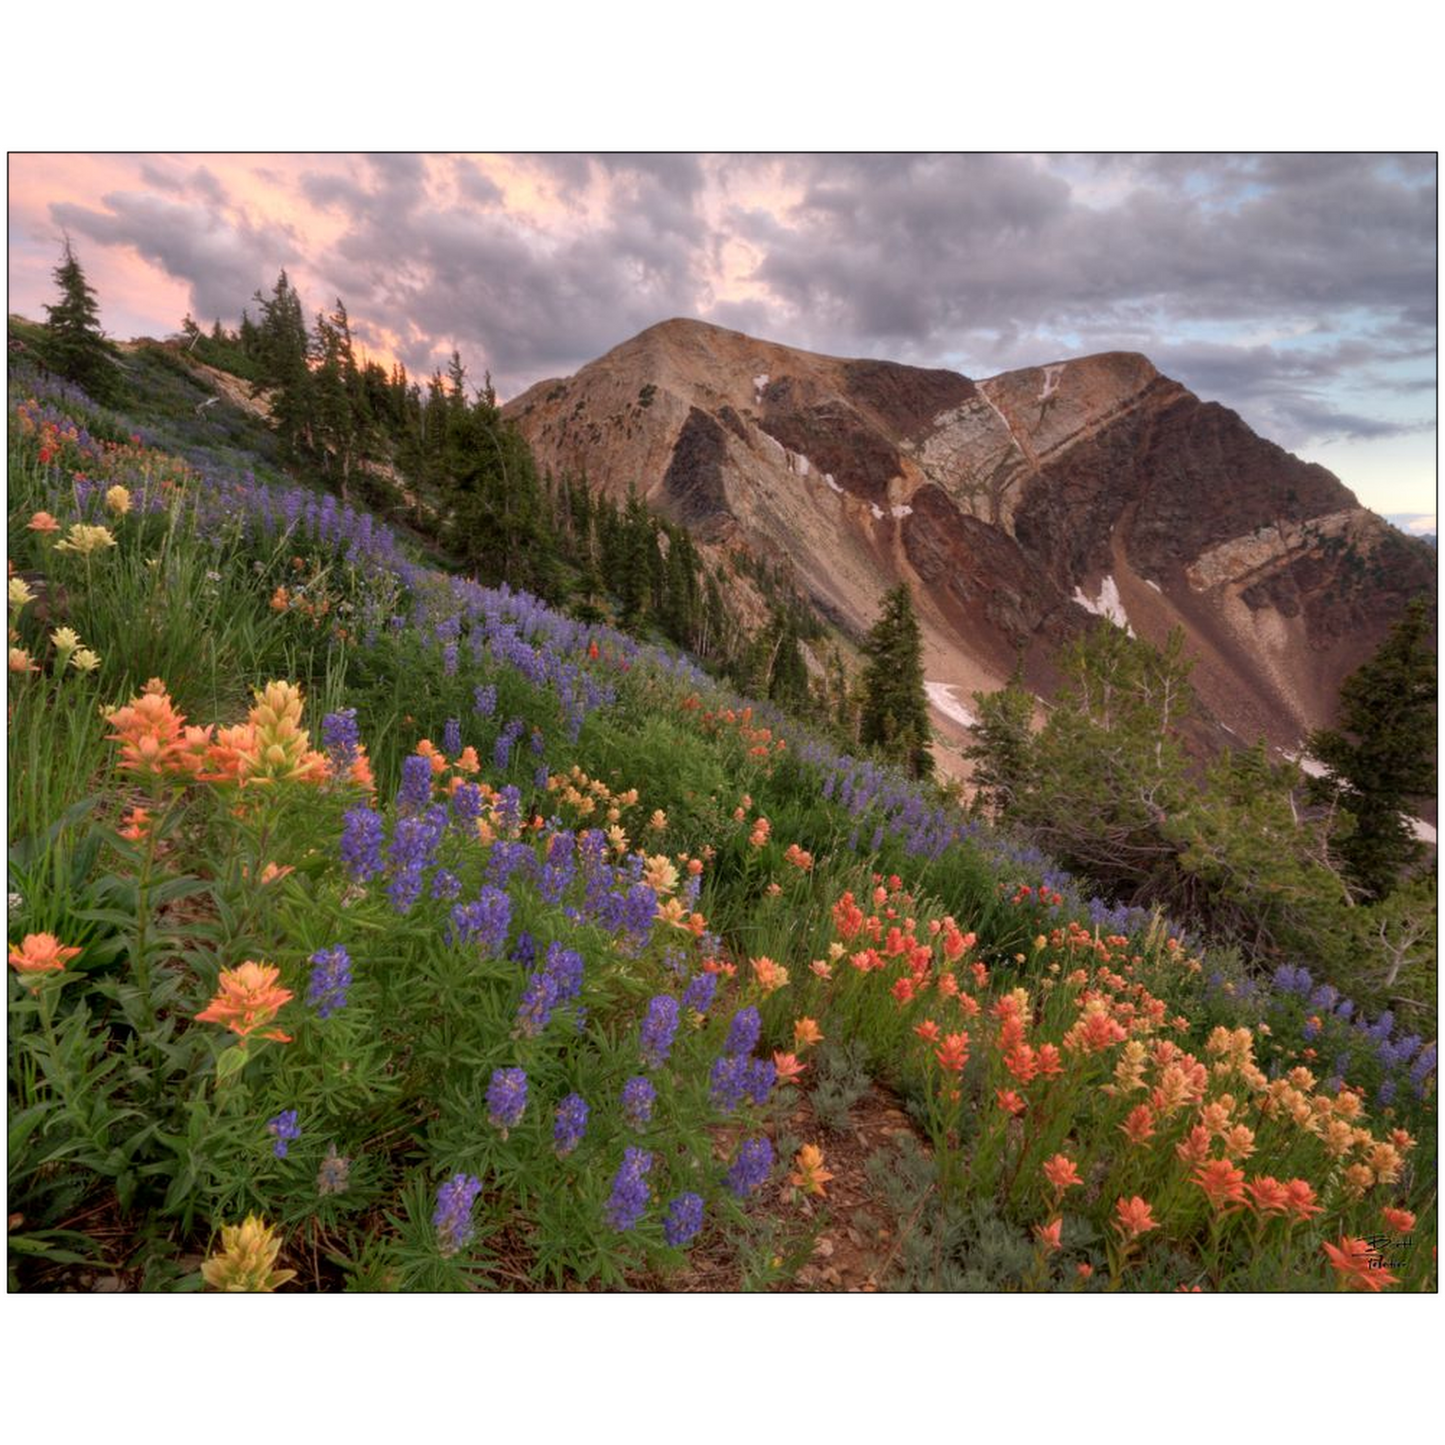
point(1014, 506)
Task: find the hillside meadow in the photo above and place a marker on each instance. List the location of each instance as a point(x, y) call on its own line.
point(373, 930)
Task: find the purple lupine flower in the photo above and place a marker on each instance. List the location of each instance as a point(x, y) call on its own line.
point(684, 1220)
point(416, 779)
point(752, 1166)
point(285, 1130)
point(638, 1097)
point(467, 806)
point(452, 737)
point(640, 911)
point(484, 701)
point(508, 807)
point(453, 1218)
point(330, 979)
point(728, 1081)
point(759, 1078)
point(1386, 1094)
point(486, 921)
point(506, 1098)
point(744, 1031)
point(566, 966)
point(592, 845)
point(506, 741)
point(446, 885)
point(659, 1026)
point(571, 1124)
point(362, 836)
point(539, 998)
point(1311, 1028)
point(449, 659)
point(555, 879)
point(509, 857)
point(524, 950)
point(340, 738)
point(698, 995)
point(630, 1191)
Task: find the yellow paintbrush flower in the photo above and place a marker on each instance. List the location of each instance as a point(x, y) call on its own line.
point(245, 1264)
point(85, 539)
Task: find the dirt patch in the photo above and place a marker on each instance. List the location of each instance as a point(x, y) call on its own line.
point(854, 1233)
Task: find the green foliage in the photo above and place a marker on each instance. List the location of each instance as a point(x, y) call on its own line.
point(894, 714)
point(1107, 788)
point(1381, 756)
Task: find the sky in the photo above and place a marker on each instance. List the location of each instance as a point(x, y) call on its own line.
point(1298, 289)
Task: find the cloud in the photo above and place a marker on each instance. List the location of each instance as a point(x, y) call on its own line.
point(1298, 289)
point(219, 253)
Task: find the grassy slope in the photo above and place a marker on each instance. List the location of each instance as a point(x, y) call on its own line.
point(119, 1114)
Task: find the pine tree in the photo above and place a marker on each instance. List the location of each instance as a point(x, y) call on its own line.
point(894, 716)
point(1001, 746)
point(1382, 754)
point(75, 345)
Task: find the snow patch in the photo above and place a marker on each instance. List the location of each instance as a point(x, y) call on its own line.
point(1422, 830)
point(876, 510)
point(1308, 765)
point(1106, 604)
point(1149, 582)
point(759, 382)
point(1051, 380)
point(940, 694)
point(902, 511)
point(828, 477)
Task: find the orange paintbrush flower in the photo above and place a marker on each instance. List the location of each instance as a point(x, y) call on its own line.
point(770, 976)
point(149, 731)
point(806, 1033)
point(1302, 1199)
point(1398, 1221)
point(1195, 1147)
point(247, 998)
point(1010, 1102)
point(1267, 1195)
point(787, 1067)
point(41, 953)
point(952, 1054)
point(1221, 1182)
point(137, 824)
point(1359, 1265)
point(1139, 1126)
point(43, 522)
point(1133, 1217)
point(1050, 1235)
point(809, 1173)
point(1061, 1172)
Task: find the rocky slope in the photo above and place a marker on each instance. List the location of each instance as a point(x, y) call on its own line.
point(1014, 507)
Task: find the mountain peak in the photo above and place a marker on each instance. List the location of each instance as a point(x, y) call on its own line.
point(1013, 507)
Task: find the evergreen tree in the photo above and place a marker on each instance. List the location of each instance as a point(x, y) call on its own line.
point(282, 349)
point(894, 715)
point(1382, 754)
point(75, 345)
point(1002, 743)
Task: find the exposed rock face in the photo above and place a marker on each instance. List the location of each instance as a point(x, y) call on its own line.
point(1014, 507)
